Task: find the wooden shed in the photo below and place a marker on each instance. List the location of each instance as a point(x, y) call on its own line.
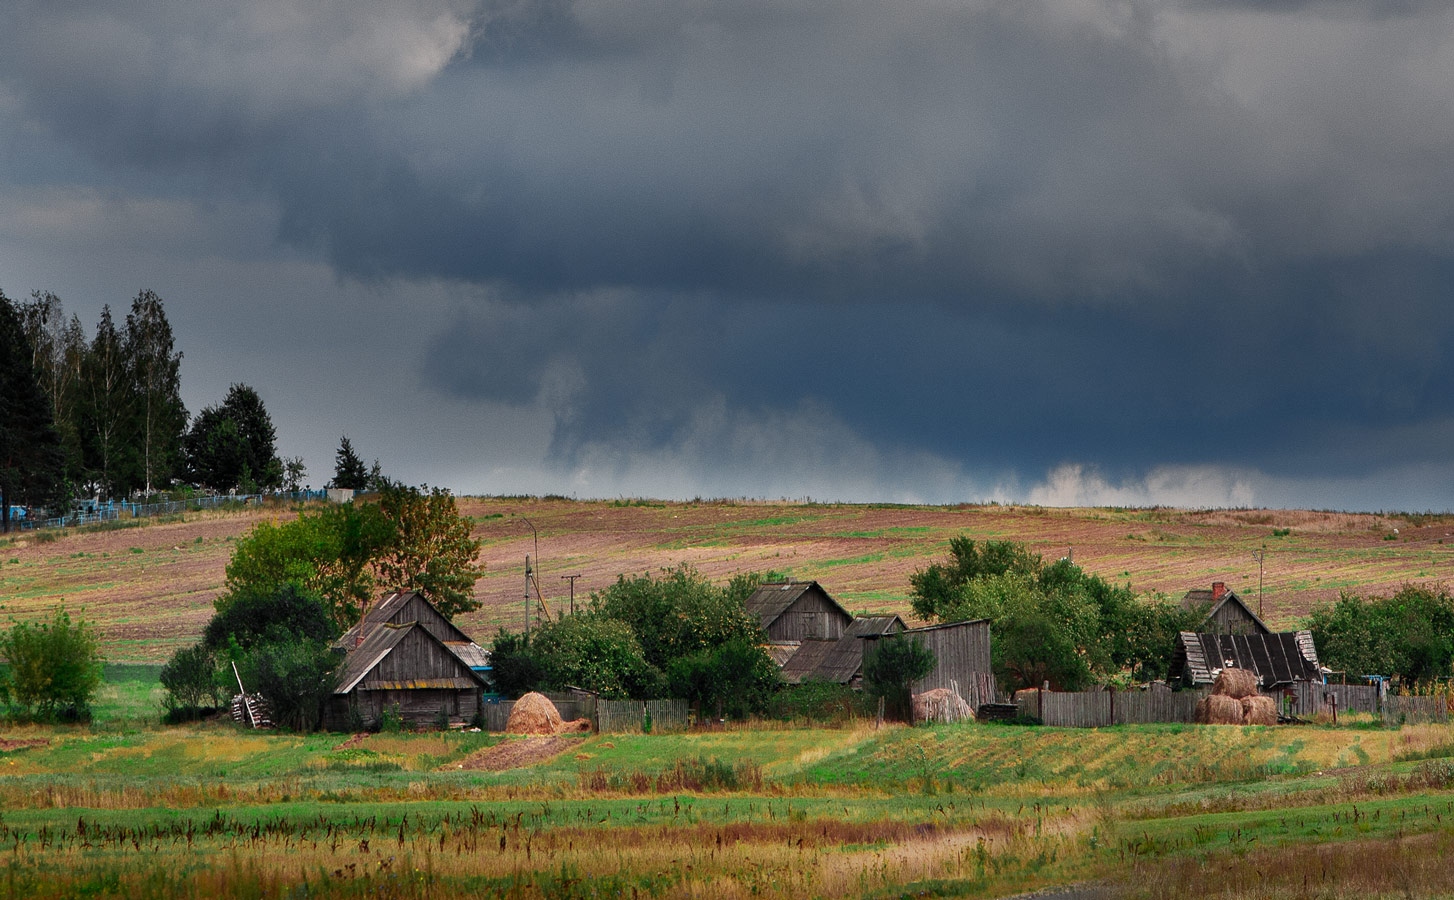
point(402, 607)
point(1279, 659)
point(840, 661)
point(798, 611)
point(402, 666)
point(1226, 612)
point(962, 654)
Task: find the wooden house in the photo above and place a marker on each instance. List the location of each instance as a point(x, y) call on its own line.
point(402, 607)
point(840, 661)
point(405, 655)
point(1226, 613)
point(797, 611)
point(962, 656)
point(1279, 659)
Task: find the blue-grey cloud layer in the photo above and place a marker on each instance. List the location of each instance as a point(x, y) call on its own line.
point(1007, 234)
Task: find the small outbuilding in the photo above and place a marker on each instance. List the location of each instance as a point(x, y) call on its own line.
point(404, 655)
point(1226, 612)
point(1278, 660)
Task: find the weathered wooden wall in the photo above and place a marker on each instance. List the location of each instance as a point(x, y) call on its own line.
point(607, 716)
point(811, 617)
point(1099, 709)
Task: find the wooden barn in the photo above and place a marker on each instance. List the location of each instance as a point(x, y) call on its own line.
point(840, 661)
point(404, 654)
point(798, 611)
point(402, 607)
point(962, 654)
point(1226, 613)
point(1279, 659)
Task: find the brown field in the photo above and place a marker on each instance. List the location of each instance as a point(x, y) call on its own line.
point(149, 589)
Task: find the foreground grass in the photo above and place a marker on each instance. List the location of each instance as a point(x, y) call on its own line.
point(125, 808)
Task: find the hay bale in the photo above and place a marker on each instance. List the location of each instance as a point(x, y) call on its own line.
point(1218, 710)
point(533, 714)
point(941, 705)
point(576, 725)
point(1235, 683)
point(1259, 710)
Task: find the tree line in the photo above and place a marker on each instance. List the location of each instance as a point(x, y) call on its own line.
point(102, 415)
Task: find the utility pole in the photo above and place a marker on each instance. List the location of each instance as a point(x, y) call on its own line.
point(529, 573)
point(572, 580)
point(1258, 555)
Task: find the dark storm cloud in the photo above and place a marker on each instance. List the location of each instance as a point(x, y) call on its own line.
point(1013, 233)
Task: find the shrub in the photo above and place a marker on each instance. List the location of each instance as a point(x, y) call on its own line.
point(55, 669)
point(295, 677)
point(892, 667)
point(190, 679)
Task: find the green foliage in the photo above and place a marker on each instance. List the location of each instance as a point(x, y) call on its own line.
point(513, 667)
point(890, 668)
point(596, 653)
point(1409, 635)
point(234, 445)
point(296, 677)
point(679, 613)
point(190, 679)
point(54, 671)
point(410, 539)
point(821, 702)
point(349, 470)
point(32, 463)
point(736, 678)
point(1054, 622)
point(259, 615)
point(153, 374)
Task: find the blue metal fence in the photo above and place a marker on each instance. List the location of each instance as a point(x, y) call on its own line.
point(109, 511)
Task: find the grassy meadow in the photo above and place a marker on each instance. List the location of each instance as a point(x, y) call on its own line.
point(124, 807)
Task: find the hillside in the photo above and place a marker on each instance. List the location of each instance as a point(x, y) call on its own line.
point(149, 589)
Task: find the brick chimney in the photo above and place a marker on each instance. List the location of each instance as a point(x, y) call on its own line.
point(1219, 590)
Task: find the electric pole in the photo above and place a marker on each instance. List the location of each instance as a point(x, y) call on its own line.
point(572, 580)
point(1258, 555)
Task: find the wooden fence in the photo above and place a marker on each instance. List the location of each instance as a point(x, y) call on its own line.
point(606, 716)
point(1098, 709)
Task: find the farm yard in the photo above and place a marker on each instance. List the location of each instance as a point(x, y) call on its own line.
point(123, 807)
point(149, 589)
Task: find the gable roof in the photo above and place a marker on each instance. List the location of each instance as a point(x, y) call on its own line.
point(1278, 658)
point(838, 660)
point(1196, 597)
point(393, 608)
point(382, 641)
point(773, 599)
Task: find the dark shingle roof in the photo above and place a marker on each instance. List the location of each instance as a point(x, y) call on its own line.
point(803, 665)
point(1278, 658)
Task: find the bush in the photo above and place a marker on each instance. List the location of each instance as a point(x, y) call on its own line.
point(294, 677)
point(892, 667)
point(735, 679)
point(54, 671)
point(269, 614)
point(190, 679)
point(821, 702)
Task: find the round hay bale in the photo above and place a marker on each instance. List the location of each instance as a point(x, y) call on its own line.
point(1220, 710)
point(1259, 710)
point(1236, 683)
point(1200, 716)
point(533, 714)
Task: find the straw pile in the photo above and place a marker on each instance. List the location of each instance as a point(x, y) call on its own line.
point(1234, 701)
point(1236, 683)
point(941, 705)
point(535, 714)
point(1259, 710)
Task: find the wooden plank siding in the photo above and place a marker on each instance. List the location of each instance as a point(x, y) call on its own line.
point(1100, 709)
point(962, 657)
point(809, 619)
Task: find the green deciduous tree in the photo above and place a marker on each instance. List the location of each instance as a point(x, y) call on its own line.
point(1409, 635)
point(890, 668)
point(153, 367)
point(431, 551)
point(190, 678)
point(32, 464)
point(735, 678)
point(678, 613)
point(295, 677)
point(234, 445)
point(596, 653)
point(54, 669)
point(104, 415)
point(514, 668)
point(259, 615)
point(58, 349)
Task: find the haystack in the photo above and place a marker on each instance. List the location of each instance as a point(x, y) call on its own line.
point(533, 714)
point(941, 705)
point(1236, 683)
point(1216, 709)
point(1259, 710)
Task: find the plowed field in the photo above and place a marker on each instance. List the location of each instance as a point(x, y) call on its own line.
point(149, 589)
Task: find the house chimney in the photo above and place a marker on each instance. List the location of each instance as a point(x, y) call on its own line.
point(1219, 590)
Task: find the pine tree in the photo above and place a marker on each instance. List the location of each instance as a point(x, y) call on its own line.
point(349, 470)
point(31, 463)
point(234, 445)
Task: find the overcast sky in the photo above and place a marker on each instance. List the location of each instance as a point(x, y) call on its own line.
point(1112, 252)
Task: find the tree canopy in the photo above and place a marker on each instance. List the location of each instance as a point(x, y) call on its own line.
point(349, 470)
point(1055, 622)
point(1409, 636)
point(234, 445)
point(32, 463)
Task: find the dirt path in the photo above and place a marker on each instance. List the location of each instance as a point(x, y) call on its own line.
point(513, 753)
